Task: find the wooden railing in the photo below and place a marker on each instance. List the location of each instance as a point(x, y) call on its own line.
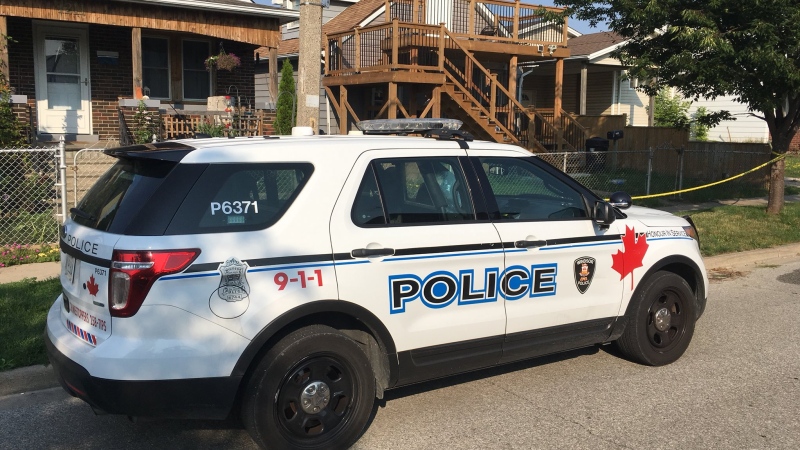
point(496, 20)
point(185, 125)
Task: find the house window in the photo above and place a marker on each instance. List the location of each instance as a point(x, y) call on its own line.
point(196, 79)
point(155, 66)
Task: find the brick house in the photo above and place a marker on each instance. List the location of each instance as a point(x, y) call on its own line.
point(72, 63)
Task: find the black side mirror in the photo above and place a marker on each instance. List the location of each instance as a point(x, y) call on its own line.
point(620, 200)
point(604, 214)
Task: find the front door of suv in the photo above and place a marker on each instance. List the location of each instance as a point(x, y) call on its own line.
point(558, 284)
point(413, 248)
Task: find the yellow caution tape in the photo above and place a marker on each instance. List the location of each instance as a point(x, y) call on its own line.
point(640, 197)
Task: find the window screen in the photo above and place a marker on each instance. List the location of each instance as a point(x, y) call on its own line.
point(155, 66)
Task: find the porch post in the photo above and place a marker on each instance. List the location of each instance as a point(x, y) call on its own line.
point(273, 74)
point(4, 48)
point(343, 125)
point(393, 100)
point(584, 86)
point(557, 102)
point(512, 86)
point(436, 98)
point(136, 47)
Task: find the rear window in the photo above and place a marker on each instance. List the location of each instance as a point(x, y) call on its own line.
point(119, 193)
point(239, 197)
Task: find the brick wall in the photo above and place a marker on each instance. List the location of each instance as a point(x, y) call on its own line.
point(109, 82)
point(243, 77)
point(794, 146)
point(20, 57)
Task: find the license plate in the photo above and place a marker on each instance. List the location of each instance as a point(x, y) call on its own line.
point(69, 268)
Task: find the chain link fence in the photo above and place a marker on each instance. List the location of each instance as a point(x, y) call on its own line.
point(87, 166)
point(29, 196)
point(665, 169)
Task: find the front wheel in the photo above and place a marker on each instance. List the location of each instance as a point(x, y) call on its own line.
point(314, 389)
point(660, 321)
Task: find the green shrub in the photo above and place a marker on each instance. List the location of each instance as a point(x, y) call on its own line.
point(285, 114)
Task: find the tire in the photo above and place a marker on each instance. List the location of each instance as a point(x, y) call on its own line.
point(315, 389)
point(660, 321)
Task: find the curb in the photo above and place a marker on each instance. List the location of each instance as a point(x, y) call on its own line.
point(27, 379)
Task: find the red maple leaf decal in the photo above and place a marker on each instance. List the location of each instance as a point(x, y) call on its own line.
point(631, 258)
point(92, 286)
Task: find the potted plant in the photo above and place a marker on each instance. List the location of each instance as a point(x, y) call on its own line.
point(223, 61)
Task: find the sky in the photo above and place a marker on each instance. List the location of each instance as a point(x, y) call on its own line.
point(579, 25)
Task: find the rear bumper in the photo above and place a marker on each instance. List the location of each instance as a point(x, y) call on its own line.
point(195, 398)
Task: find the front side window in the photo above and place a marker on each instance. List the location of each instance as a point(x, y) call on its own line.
point(155, 66)
point(240, 197)
point(524, 191)
point(196, 79)
point(413, 191)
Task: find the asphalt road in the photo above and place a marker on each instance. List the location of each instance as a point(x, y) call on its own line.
point(738, 386)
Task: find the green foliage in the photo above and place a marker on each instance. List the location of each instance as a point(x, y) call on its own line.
point(671, 110)
point(23, 313)
point(285, 114)
point(145, 124)
point(699, 127)
point(746, 49)
point(211, 129)
point(726, 229)
point(11, 130)
point(792, 166)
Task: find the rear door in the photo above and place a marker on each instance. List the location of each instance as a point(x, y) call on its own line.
point(412, 247)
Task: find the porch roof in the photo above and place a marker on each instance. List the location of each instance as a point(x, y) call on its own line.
point(243, 7)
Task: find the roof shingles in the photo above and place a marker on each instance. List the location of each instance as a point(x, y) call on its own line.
point(592, 43)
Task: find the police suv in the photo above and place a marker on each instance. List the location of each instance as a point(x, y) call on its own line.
point(293, 280)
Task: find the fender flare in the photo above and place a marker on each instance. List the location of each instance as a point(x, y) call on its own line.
point(359, 313)
point(699, 289)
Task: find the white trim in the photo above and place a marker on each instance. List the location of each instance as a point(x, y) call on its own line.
point(260, 10)
point(606, 50)
point(378, 12)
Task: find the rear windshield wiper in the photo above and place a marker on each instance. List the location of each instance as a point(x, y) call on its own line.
point(81, 213)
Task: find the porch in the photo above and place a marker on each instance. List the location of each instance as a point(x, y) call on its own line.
point(75, 63)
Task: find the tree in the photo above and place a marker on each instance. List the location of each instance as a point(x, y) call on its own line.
point(747, 49)
point(285, 114)
point(11, 134)
point(699, 125)
point(671, 110)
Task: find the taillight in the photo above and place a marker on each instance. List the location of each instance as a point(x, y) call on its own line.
point(134, 272)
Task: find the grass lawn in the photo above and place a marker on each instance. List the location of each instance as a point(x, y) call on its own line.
point(727, 229)
point(23, 313)
point(792, 166)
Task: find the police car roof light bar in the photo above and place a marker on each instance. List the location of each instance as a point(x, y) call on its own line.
point(407, 126)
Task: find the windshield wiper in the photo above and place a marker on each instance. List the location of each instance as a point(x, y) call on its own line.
point(81, 213)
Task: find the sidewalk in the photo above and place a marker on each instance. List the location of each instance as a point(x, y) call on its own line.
point(40, 271)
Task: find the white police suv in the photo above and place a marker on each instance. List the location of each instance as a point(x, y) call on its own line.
point(292, 280)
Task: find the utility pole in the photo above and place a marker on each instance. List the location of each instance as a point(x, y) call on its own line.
point(308, 76)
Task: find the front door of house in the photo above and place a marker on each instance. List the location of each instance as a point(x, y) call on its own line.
point(62, 80)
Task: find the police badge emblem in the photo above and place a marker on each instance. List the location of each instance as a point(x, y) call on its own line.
point(584, 272)
point(232, 297)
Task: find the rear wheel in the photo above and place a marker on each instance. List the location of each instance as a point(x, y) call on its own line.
point(660, 321)
point(314, 389)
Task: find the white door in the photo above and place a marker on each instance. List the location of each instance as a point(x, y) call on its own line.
point(61, 64)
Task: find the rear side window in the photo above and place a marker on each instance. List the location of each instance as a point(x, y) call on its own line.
point(120, 193)
point(240, 197)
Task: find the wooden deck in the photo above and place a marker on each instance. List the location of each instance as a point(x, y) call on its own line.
point(455, 58)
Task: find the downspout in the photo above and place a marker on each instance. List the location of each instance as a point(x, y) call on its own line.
point(521, 81)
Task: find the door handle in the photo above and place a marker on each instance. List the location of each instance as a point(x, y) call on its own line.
point(529, 244)
point(367, 252)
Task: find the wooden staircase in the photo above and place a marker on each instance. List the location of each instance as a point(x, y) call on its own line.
point(496, 113)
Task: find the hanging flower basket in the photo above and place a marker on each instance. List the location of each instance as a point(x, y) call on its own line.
point(223, 61)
